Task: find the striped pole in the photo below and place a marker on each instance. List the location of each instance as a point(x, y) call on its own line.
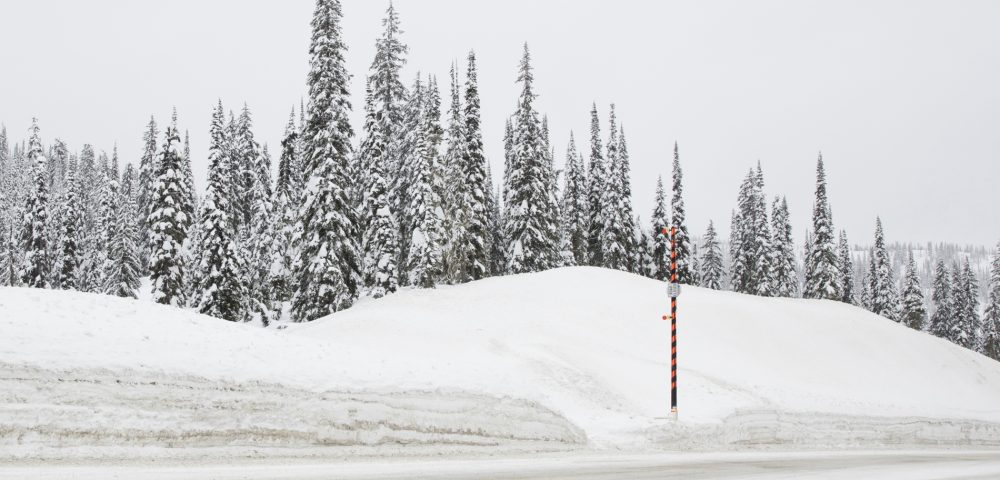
point(673, 320)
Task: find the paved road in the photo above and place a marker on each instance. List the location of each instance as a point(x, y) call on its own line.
point(920, 465)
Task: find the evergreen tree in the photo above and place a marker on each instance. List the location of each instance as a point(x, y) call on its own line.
point(259, 258)
point(882, 290)
point(122, 275)
point(822, 271)
point(712, 269)
point(677, 220)
point(220, 290)
point(68, 247)
point(495, 222)
point(625, 180)
point(990, 345)
point(614, 236)
point(782, 262)
point(661, 241)
point(574, 209)
point(167, 221)
point(643, 253)
point(912, 312)
point(750, 270)
point(846, 266)
point(380, 246)
point(474, 240)
point(328, 273)
point(965, 307)
point(35, 272)
point(145, 192)
point(942, 316)
point(389, 98)
point(596, 177)
point(426, 243)
point(287, 200)
point(529, 232)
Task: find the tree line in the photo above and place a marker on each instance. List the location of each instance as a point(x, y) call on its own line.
point(413, 203)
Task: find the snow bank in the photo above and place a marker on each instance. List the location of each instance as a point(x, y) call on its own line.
point(568, 358)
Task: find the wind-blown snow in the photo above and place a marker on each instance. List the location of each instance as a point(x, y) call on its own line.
point(568, 358)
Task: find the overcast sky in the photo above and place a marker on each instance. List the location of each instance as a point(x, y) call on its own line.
point(902, 97)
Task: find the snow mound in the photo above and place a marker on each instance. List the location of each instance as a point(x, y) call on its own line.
point(569, 358)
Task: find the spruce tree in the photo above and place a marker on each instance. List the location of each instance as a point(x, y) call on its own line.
point(68, 247)
point(596, 176)
point(574, 209)
point(782, 262)
point(846, 267)
point(34, 244)
point(530, 245)
point(495, 221)
point(911, 305)
point(942, 316)
point(822, 271)
point(426, 238)
point(260, 244)
point(328, 273)
point(287, 200)
point(145, 192)
point(882, 289)
point(122, 274)
point(750, 266)
point(660, 240)
point(389, 97)
point(625, 215)
point(475, 239)
point(965, 305)
point(221, 290)
point(614, 244)
point(677, 220)
point(712, 269)
point(380, 246)
point(990, 345)
point(643, 253)
point(167, 221)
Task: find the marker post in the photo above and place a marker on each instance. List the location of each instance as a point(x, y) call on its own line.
point(673, 290)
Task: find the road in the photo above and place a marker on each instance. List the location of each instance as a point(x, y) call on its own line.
point(882, 465)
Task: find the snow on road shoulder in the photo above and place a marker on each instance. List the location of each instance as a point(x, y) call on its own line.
point(552, 360)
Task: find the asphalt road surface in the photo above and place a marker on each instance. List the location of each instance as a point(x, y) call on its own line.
point(881, 465)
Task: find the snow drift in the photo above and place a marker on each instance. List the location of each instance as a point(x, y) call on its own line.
point(569, 358)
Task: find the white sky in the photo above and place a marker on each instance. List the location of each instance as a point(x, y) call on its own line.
point(902, 97)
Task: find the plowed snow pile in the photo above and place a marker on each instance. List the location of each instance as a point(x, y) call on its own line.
point(569, 358)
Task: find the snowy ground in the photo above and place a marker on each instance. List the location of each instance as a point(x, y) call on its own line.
point(566, 360)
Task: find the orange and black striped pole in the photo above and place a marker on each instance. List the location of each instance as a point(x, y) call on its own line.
point(673, 319)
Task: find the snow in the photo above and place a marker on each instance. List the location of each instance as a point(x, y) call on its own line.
point(565, 359)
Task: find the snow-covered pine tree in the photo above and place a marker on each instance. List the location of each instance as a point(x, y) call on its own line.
point(911, 305)
point(219, 274)
point(189, 203)
point(965, 305)
point(846, 267)
point(784, 277)
point(615, 239)
point(426, 240)
point(528, 228)
point(677, 220)
point(495, 223)
point(990, 344)
point(625, 214)
point(712, 269)
point(453, 190)
point(329, 272)
point(574, 208)
point(475, 239)
point(389, 99)
point(882, 287)
point(381, 248)
point(661, 241)
point(68, 246)
point(144, 192)
point(109, 217)
point(122, 274)
point(407, 147)
point(750, 272)
point(643, 252)
point(695, 266)
point(260, 244)
point(596, 177)
point(34, 244)
point(942, 317)
point(287, 192)
point(166, 240)
point(822, 271)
